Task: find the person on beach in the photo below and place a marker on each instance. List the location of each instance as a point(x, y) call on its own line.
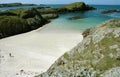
point(10, 55)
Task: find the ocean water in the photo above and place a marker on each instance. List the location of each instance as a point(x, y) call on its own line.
point(92, 18)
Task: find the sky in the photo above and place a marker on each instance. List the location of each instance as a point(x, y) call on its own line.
point(103, 2)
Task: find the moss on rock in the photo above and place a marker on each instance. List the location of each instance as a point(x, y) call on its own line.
point(11, 25)
point(20, 20)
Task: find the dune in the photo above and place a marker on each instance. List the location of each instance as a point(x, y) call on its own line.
point(31, 53)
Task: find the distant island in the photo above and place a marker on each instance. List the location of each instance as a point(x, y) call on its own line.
point(15, 4)
point(110, 11)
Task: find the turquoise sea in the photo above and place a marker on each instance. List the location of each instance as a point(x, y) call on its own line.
point(92, 18)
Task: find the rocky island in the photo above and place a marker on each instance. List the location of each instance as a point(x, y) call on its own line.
point(110, 11)
point(73, 7)
point(98, 55)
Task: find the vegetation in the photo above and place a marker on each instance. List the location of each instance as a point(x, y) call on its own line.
point(77, 6)
point(7, 14)
point(11, 25)
point(18, 21)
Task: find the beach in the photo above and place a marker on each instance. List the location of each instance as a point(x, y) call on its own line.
point(32, 53)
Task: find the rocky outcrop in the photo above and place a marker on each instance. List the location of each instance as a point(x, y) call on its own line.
point(98, 55)
point(50, 16)
point(110, 11)
point(76, 17)
point(77, 6)
point(19, 21)
point(73, 7)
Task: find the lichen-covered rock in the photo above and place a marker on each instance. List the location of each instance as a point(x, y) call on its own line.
point(114, 72)
point(98, 55)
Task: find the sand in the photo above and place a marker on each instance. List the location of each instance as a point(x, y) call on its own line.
point(31, 53)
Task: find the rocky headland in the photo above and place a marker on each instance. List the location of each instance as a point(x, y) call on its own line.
point(18, 21)
point(98, 55)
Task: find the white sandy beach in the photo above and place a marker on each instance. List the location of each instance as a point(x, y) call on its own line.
point(33, 52)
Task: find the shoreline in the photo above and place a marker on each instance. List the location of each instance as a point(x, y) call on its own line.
point(35, 51)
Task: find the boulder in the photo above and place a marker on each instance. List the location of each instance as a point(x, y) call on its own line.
point(76, 17)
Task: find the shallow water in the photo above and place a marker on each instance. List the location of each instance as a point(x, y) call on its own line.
point(92, 18)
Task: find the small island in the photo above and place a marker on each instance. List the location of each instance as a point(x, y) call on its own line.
point(73, 7)
point(110, 11)
point(76, 17)
point(15, 4)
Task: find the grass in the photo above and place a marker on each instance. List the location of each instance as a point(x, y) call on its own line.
point(10, 25)
point(19, 21)
point(88, 56)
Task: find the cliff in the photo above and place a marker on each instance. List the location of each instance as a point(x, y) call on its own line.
point(98, 55)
